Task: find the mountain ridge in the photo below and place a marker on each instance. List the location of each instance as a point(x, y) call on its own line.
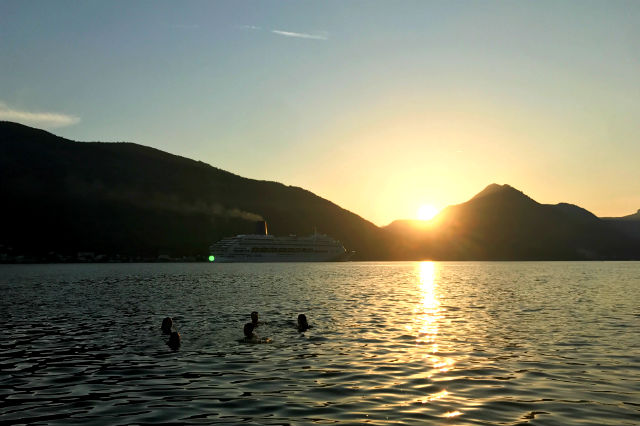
point(41, 171)
point(124, 198)
point(503, 223)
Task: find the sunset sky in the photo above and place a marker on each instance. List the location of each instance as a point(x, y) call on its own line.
point(380, 107)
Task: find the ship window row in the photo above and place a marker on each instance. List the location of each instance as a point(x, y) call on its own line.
point(285, 250)
point(292, 244)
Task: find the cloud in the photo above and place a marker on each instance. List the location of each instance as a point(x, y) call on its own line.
point(322, 36)
point(311, 36)
point(41, 119)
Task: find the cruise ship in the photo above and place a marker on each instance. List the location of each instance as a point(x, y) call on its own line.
point(262, 247)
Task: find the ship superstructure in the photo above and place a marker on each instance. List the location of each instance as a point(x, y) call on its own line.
point(262, 247)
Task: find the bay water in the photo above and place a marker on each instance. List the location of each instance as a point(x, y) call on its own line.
point(468, 343)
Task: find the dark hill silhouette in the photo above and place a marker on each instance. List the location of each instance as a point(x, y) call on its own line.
point(502, 223)
point(577, 213)
point(121, 198)
point(494, 188)
point(631, 217)
point(628, 225)
point(125, 198)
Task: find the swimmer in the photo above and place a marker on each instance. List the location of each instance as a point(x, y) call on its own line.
point(167, 325)
point(303, 325)
point(249, 335)
point(174, 340)
point(254, 319)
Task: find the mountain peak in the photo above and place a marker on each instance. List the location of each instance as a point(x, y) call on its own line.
point(11, 132)
point(493, 189)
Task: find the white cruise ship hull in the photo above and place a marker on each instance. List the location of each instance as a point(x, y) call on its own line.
point(278, 258)
point(267, 248)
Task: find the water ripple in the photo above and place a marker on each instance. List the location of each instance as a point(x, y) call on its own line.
point(544, 343)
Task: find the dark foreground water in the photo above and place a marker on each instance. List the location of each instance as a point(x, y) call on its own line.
point(392, 343)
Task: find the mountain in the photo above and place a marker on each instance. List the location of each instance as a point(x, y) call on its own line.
point(628, 225)
point(122, 198)
point(632, 217)
point(493, 189)
point(502, 223)
point(62, 197)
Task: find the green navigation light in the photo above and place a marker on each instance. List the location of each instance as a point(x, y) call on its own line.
point(211, 258)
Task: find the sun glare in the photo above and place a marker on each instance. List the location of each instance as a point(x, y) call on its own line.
point(427, 212)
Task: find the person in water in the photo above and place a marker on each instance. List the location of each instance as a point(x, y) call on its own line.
point(174, 340)
point(303, 325)
point(167, 325)
point(249, 335)
point(254, 318)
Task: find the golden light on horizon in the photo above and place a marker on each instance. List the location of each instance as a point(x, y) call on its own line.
point(427, 212)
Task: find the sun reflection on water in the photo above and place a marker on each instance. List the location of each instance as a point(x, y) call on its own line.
point(428, 312)
point(428, 315)
point(435, 396)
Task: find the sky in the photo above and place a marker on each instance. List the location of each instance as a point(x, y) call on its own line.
point(379, 106)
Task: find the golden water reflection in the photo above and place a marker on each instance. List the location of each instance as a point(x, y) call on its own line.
point(429, 312)
point(428, 315)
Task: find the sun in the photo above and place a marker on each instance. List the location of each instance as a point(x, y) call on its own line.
point(427, 212)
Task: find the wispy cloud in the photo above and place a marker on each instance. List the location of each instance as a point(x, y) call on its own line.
point(319, 36)
point(41, 119)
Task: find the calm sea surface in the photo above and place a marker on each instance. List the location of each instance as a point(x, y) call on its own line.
point(540, 343)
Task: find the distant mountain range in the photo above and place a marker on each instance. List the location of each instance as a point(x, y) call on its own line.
point(502, 223)
point(128, 201)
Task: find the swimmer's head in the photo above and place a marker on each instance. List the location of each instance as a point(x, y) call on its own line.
point(254, 317)
point(167, 323)
point(248, 329)
point(174, 340)
point(302, 322)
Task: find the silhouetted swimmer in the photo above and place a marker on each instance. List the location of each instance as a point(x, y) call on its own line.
point(167, 324)
point(254, 319)
point(174, 340)
point(303, 325)
point(250, 336)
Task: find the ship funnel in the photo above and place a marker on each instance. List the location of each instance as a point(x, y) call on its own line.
point(261, 227)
